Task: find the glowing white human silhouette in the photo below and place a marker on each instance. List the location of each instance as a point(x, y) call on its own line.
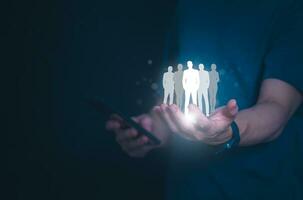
point(213, 87)
point(191, 84)
point(203, 89)
point(168, 85)
point(178, 75)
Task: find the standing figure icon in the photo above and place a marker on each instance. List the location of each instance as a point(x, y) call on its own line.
point(178, 86)
point(203, 89)
point(191, 82)
point(213, 87)
point(168, 85)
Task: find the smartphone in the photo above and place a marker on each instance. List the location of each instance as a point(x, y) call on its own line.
point(105, 108)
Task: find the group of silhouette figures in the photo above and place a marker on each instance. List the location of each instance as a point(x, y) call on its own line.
point(198, 84)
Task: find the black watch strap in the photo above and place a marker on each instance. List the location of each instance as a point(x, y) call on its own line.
point(233, 141)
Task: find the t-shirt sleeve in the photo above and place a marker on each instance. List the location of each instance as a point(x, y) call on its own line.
point(284, 60)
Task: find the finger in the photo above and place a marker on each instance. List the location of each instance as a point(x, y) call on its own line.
point(135, 144)
point(155, 113)
point(137, 119)
point(146, 122)
point(164, 113)
point(141, 152)
point(128, 134)
point(130, 145)
point(156, 116)
point(112, 125)
point(117, 118)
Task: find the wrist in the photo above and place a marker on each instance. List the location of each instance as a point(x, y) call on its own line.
point(221, 137)
point(228, 134)
point(233, 141)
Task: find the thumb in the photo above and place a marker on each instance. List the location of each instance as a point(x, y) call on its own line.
point(231, 109)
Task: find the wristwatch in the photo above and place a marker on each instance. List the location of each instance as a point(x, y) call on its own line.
point(233, 141)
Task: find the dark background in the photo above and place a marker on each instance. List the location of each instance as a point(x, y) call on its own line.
point(59, 53)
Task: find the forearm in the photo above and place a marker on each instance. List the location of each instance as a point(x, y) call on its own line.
point(265, 121)
point(261, 123)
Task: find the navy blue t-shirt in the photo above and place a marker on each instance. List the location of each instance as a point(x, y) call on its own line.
point(249, 41)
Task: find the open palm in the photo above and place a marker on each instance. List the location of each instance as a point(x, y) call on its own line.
point(211, 130)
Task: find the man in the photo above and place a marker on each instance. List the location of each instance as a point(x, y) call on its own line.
point(190, 83)
point(168, 85)
point(203, 89)
point(213, 87)
point(178, 86)
point(259, 46)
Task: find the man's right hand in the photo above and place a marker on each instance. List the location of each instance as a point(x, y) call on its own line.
point(134, 144)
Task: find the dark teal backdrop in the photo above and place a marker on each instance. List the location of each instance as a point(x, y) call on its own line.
point(61, 52)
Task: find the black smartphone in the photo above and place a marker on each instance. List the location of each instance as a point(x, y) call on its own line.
point(105, 108)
